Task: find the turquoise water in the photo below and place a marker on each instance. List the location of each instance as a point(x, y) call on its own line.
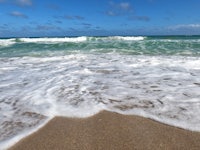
point(157, 77)
point(154, 45)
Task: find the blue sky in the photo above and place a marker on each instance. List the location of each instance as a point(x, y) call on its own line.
point(30, 18)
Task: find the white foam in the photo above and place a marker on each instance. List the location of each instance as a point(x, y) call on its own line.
point(127, 38)
point(54, 40)
point(8, 143)
point(7, 42)
point(81, 85)
point(80, 39)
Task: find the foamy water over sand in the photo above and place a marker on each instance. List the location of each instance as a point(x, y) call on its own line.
point(154, 77)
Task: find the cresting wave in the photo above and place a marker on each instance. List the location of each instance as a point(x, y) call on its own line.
point(40, 47)
point(81, 85)
point(7, 42)
point(53, 40)
point(125, 38)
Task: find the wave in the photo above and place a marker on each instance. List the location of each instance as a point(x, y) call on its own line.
point(54, 40)
point(81, 39)
point(127, 38)
point(9, 42)
point(131, 45)
point(81, 85)
point(117, 38)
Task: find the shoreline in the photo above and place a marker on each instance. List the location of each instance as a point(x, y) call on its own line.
point(108, 130)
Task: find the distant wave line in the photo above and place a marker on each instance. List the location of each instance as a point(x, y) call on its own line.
point(7, 42)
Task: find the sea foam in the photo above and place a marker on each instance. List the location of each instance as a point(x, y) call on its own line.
point(81, 85)
point(128, 38)
point(41, 78)
point(7, 42)
point(54, 40)
point(48, 40)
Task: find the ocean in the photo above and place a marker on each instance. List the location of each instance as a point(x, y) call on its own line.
point(157, 77)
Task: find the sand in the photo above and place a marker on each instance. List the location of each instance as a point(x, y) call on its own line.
point(109, 131)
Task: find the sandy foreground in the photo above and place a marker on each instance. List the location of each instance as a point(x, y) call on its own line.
point(109, 131)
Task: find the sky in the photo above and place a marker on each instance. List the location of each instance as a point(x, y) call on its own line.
point(36, 18)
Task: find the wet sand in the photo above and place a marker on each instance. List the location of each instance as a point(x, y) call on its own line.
point(109, 131)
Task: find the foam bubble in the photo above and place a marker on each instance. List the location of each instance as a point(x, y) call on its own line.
point(8, 143)
point(53, 40)
point(81, 85)
point(79, 39)
point(127, 38)
point(7, 42)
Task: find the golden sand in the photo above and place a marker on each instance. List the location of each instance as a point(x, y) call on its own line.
point(109, 131)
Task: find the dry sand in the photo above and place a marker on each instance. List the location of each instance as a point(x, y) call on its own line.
point(109, 131)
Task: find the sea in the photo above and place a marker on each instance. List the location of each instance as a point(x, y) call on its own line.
point(156, 77)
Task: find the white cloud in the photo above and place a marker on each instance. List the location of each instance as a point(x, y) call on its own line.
point(140, 18)
point(18, 14)
point(118, 9)
point(18, 2)
point(71, 17)
point(24, 2)
point(187, 29)
point(111, 13)
point(125, 6)
point(184, 26)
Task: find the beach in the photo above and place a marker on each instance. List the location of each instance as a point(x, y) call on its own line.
point(62, 83)
point(99, 75)
point(108, 130)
